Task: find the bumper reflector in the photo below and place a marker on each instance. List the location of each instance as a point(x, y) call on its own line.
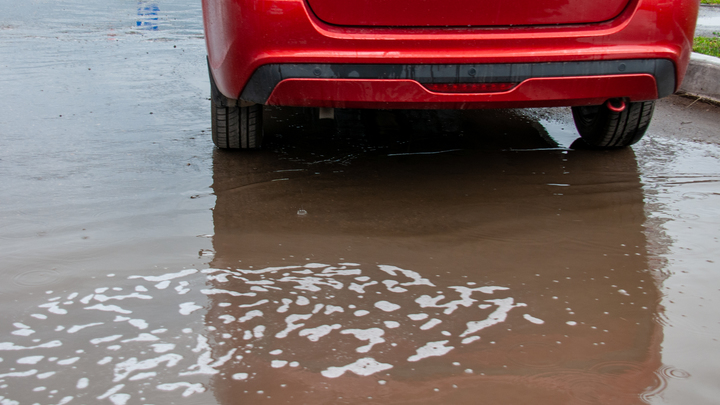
point(469, 87)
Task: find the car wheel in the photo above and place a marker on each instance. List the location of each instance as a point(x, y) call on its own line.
point(237, 127)
point(602, 127)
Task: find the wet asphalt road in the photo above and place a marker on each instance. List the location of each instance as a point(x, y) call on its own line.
point(397, 257)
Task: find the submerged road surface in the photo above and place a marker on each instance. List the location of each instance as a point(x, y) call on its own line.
point(433, 257)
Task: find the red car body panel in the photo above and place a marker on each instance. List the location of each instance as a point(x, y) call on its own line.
point(535, 92)
point(464, 13)
point(245, 35)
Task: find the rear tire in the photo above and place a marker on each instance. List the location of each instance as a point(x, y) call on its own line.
point(237, 127)
point(601, 127)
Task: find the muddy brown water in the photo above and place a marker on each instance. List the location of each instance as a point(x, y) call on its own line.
point(398, 257)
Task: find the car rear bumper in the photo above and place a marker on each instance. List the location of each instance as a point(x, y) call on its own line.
point(408, 86)
point(264, 50)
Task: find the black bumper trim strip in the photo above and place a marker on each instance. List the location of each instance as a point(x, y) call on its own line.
point(266, 77)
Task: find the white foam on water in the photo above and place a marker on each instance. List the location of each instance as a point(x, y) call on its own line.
point(77, 328)
point(316, 266)
point(431, 349)
point(10, 346)
point(387, 306)
point(226, 319)
point(261, 302)
point(364, 367)
point(162, 347)
point(23, 332)
point(106, 339)
point(30, 360)
point(129, 366)
point(82, 383)
point(207, 365)
point(416, 278)
point(291, 325)
point(372, 335)
point(187, 308)
point(504, 305)
point(571, 323)
point(431, 324)
point(109, 308)
point(190, 388)
point(360, 288)
point(470, 339)
point(216, 291)
point(314, 334)
point(393, 286)
point(143, 337)
point(536, 321)
point(312, 284)
point(250, 315)
point(43, 376)
point(65, 400)
point(334, 271)
point(86, 299)
point(69, 361)
point(143, 376)
point(181, 288)
point(139, 323)
point(54, 308)
point(111, 391)
point(329, 309)
point(285, 306)
point(166, 277)
point(465, 300)
point(162, 285)
point(136, 372)
point(120, 399)
point(104, 298)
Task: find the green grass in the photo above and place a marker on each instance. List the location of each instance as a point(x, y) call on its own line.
point(708, 46)
point(710, 1)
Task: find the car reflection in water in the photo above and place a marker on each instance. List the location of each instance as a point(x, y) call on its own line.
point(500, 271)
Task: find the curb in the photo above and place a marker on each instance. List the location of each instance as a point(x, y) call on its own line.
point(703, 77)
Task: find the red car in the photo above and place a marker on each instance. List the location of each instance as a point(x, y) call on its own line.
point(610, 60)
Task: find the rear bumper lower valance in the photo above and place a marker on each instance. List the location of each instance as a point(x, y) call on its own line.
point(266, 79)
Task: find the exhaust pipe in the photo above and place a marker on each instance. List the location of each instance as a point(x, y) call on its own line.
point(616, 105)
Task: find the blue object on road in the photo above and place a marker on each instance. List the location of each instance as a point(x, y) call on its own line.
point(148, 16)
